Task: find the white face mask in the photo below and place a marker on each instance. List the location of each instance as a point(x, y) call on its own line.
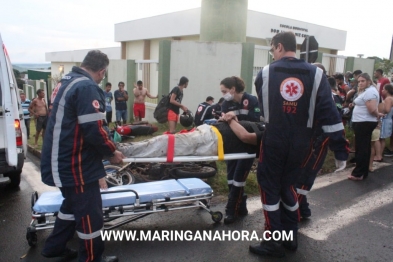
point(228, 96)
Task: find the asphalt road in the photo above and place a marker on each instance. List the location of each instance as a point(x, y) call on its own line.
point(351, 221)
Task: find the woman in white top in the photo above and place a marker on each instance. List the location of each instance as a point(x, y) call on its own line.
point(364, 119)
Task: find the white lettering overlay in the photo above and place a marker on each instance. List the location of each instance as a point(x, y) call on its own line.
point(188, 235)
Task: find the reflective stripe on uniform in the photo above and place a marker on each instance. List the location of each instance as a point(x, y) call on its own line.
point(89, 236)
point(239, 184)
point(293, 208)
point(57, 130)
point(271, 207)
point(62, 216)
point(230, 182)
point(243, 112)
point(333, 128)
point(204, 113)
point(302, 191)
point(265, 93)
point(91, 117)
point(313, 98)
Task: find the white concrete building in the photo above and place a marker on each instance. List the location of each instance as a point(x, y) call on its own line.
point(159, 50)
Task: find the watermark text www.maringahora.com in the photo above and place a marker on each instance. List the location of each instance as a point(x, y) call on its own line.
point(199, 235)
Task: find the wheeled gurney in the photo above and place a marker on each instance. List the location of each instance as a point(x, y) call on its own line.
point(129, 201)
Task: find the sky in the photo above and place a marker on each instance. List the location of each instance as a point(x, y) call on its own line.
point(29, 29)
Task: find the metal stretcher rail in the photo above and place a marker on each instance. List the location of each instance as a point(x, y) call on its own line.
point(234, 156)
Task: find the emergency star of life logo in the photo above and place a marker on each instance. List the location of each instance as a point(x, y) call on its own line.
point(96, 104)
point(291, 89)
point(199, 108)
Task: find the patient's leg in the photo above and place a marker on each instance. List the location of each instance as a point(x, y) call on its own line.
point(201, 142)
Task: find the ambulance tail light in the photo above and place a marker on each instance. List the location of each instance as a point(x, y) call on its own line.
point(18, 133)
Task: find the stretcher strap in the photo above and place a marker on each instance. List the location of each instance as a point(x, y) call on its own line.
point(220, 144)
point(171, 148)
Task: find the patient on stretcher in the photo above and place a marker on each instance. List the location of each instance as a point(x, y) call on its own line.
point(237, 137)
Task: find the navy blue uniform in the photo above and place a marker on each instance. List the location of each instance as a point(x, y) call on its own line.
point(313, 163)
point(203, 112)
point(76, 140)
point(216, 110)
point(293, 95)
point(238, 170)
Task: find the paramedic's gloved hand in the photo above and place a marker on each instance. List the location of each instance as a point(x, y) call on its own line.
point(117, 158)
point(340, 165)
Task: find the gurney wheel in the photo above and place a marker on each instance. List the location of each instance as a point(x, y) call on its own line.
point(217, 216)
point(34, 198)
point(31, 238)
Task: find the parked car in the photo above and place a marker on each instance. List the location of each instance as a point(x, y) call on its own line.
point(13, 140)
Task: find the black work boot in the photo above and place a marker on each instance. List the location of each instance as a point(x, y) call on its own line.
point(67, 254)
point(268, 248)
point(231, 209)
point(243, 206)
point(291, 244)
point(304, 210)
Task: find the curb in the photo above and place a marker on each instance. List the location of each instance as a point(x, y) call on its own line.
point(34, 151)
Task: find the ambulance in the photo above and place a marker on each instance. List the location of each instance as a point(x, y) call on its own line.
point(13, 139)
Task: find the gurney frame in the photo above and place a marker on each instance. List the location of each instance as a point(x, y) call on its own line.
point(43, 221)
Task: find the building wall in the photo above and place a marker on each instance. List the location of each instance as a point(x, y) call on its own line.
point(117, 71)
point(55, 73)
point(79, 55)
point(259, 26)
point(268, 25)
point(180, 24)
point(134, 49)
point(205, 64)
point(366, 65)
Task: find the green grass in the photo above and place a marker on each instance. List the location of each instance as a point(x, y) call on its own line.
point(32, 135)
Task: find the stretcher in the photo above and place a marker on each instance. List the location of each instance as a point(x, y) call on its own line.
point(124, 204)
point(234, 156)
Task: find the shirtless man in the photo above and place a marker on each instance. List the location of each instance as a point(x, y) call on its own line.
point(140, 94)
point(39, 110)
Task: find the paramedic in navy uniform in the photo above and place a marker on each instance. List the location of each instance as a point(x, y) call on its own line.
point(292, 94)
point(245, 107)
point(76, 141)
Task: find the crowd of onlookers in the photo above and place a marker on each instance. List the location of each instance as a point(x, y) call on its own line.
point(365, 105)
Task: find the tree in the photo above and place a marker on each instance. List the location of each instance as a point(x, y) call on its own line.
point(16, 73)
point(20, 82)
point(386, 65)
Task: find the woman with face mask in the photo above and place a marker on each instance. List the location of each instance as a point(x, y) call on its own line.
point(245, 107)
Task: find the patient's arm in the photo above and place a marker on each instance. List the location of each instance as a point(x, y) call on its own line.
point(242, 133)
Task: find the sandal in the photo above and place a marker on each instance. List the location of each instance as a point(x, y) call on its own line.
point(355, 178)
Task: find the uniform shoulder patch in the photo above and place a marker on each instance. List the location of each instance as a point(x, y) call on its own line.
point(291, 89)
point(95, 104)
